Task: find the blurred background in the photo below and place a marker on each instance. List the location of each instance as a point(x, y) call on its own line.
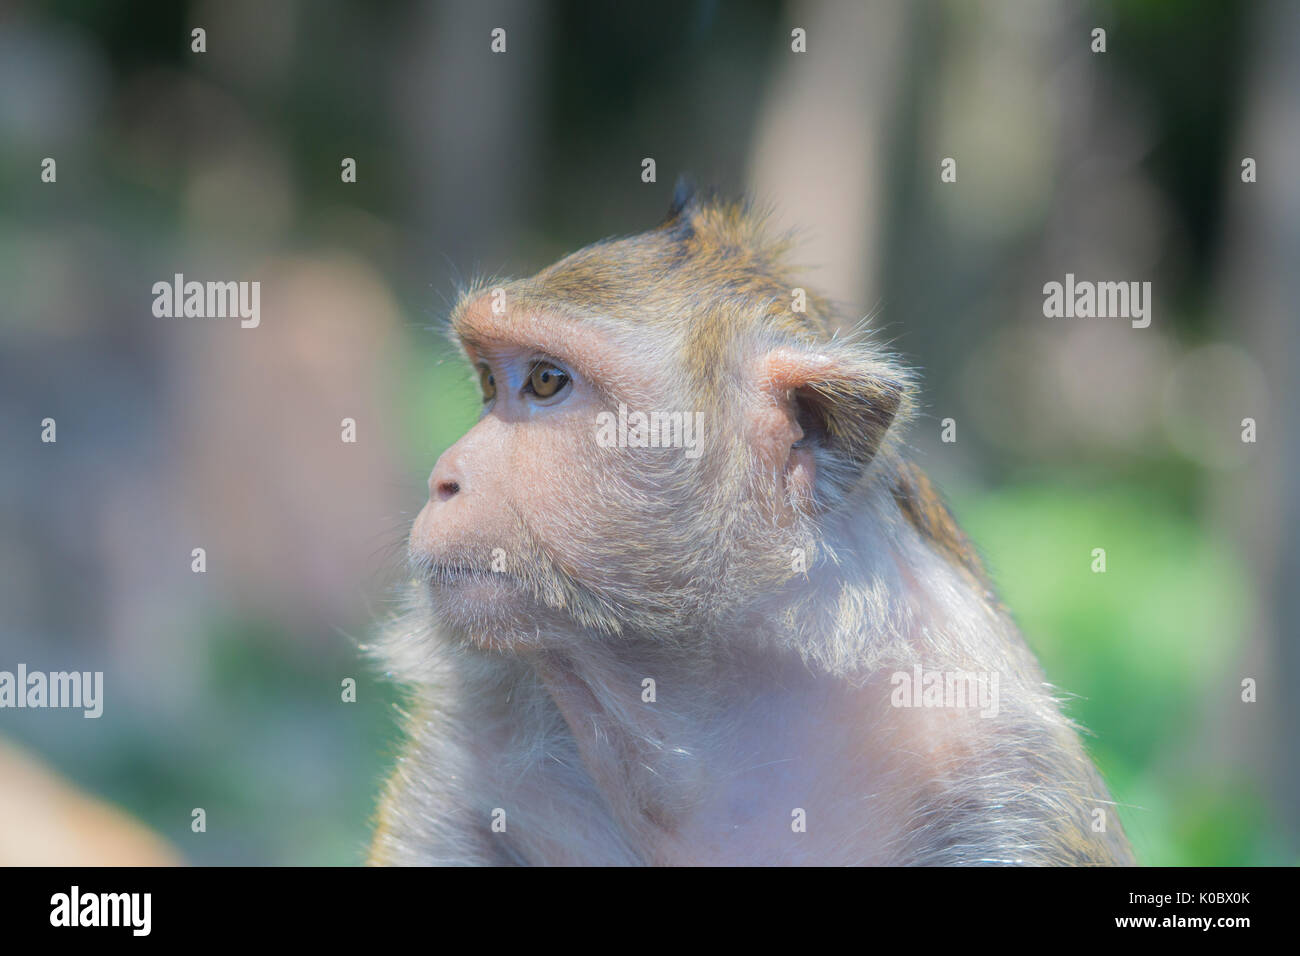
point(223, 688)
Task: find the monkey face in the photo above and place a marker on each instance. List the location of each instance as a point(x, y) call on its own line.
point(659, 436)
point(535, 518)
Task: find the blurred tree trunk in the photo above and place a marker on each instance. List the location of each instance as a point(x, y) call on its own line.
point(1259, 292)
point(820, 149)
point(471, 119)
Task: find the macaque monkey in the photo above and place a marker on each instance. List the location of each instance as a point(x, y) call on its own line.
point(773, 646)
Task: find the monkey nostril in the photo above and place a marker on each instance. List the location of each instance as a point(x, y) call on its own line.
point(447, 489)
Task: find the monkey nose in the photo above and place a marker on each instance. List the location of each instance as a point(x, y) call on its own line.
point(446, 481)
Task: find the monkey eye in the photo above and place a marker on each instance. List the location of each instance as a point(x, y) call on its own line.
point(546, 381)
point(487, 381)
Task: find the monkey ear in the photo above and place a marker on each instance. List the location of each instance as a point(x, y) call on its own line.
point(684, 196)
point(686, 206)
point(827, 411)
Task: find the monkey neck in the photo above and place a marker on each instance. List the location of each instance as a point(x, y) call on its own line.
point(620, 736)
point(700, 775)
point(671, 768)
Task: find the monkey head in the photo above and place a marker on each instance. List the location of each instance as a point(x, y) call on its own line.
point(666, 419)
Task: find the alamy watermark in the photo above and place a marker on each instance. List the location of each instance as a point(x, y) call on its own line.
point(208, 300)
point(948, 689)
point(1098, 300)
point(83, 690)
point(651, 430)
point(75, 908)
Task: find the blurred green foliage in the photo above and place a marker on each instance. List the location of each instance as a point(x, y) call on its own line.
point(1146, 647)
point(286, 771)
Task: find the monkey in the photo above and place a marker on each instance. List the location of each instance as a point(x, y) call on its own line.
point(619, 653)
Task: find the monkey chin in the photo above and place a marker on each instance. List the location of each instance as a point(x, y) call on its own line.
point(489, 609)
